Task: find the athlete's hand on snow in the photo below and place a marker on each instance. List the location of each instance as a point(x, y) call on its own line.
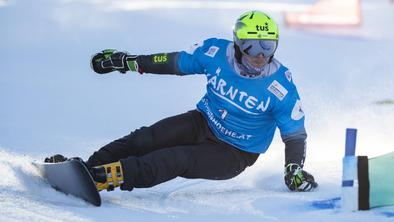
point(298, 179)
point(110, 60)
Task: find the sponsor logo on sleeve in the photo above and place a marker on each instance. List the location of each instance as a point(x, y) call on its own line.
point(212, 51)
point(297, 113)
point(161, 58)
point(278, 90)
point(288, 75)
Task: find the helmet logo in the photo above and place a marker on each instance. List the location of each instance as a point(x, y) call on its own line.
point(262, 27)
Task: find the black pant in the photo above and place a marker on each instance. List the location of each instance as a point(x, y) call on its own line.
point(181, 145)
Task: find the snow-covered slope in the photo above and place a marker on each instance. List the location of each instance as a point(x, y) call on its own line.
point(51, 102)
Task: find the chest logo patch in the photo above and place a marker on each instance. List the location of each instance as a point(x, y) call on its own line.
point(212, 51)
point(278, 90)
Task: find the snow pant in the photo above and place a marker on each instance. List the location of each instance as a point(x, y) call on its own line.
point(181, 145)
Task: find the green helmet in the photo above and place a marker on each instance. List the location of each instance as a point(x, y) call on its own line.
point(255, 33)
point(256, 25)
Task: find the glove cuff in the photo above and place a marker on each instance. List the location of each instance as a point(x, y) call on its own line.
point(131, 62)
point(292, 167)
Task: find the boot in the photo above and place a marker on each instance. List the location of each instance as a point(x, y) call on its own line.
point(108, 176)
point(57, 158)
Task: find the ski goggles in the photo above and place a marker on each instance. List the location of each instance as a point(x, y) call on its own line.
point(255, 47)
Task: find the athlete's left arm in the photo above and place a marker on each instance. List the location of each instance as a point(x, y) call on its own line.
point(290, 120)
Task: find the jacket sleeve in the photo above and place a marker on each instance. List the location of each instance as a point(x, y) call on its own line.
point(190, 63)
point(295, 148)
point(176, 63)
point(160, 63)
point(290, 118)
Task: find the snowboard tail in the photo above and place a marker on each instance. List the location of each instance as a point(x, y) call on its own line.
point(71, 177)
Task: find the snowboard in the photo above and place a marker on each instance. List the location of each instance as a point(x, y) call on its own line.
point(71, 177)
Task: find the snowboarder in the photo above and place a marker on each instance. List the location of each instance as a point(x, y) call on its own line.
point(249, 94)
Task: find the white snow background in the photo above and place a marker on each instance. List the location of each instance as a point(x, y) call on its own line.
point(52, 102)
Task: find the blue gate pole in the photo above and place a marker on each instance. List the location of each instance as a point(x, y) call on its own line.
point(350, 146)
point(349, 173)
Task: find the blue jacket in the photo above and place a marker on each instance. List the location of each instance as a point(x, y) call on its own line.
point(242, 111)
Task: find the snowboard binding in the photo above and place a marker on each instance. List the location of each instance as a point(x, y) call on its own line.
point(106, 177)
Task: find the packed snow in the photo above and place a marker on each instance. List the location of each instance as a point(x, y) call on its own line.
point(52, 102)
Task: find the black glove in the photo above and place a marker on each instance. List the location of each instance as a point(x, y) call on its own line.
point(110, 60)
point(298, 179)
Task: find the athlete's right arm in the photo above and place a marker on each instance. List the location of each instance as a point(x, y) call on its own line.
point(110, 60)
point(174, 63)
